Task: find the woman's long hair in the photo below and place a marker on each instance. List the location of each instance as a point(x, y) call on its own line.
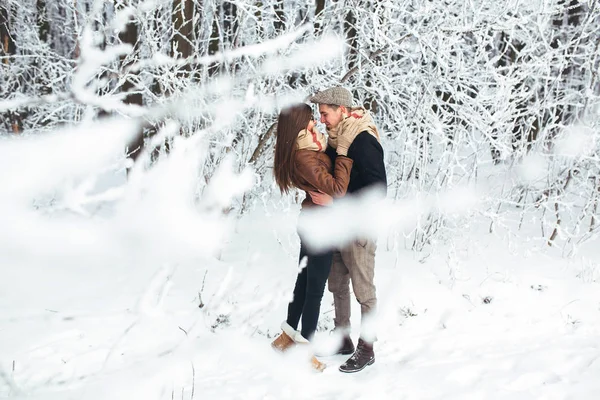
point(291, 121)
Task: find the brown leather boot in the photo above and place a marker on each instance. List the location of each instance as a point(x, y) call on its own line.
point(283, 342)
point(362, 357)
point(346, 347)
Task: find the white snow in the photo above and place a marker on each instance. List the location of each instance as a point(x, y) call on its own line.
point(107, 306)
point(576, 141)
point(533, 169)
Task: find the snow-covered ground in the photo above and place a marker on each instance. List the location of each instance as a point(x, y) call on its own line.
point(115, 288)
point(477, 320)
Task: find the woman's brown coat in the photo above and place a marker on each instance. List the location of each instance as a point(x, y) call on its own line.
point(312, 172)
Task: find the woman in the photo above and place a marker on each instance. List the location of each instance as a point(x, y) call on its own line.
point(300, 162)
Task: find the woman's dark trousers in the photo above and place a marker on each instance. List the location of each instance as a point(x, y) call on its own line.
point(308, 292)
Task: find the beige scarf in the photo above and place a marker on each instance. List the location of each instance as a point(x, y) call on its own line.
point(359, 121)
point(311, 140)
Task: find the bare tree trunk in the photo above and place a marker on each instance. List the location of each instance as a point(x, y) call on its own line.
point(230, 24)
point(595, 196)
point(42, 21)
point(214, 42)
point(550, 241)
point(279, 26)
point(130, 36)
point(262, 143)
point(279, 21)
point(7, 50)
point(224, 32)
point(565, 111)
point(43, 34)
point(8, 46)
point(525, 124)
point(319, 7)
point(351, 39)
point(182, 45)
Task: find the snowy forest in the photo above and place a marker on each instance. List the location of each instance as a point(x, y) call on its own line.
point(146, 251)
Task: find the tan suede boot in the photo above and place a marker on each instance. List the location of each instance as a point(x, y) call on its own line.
point(316, 364)
point(290, 337)
point(286, 339)
point(282, 342)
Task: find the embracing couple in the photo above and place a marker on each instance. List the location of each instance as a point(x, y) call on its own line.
point(349, 160)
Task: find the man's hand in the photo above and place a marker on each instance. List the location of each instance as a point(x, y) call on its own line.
point(321, 199)
point(343, 144)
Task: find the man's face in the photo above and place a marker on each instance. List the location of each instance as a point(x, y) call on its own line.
point(331, 117)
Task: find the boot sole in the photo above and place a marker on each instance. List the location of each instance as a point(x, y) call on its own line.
point(357, 370)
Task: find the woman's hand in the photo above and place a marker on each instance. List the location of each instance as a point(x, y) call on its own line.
point(321, 199)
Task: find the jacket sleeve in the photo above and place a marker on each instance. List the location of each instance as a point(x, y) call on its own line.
point(316, 175)
point(330, 151)
point(367, 154)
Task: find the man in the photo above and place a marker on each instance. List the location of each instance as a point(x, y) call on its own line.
point(356, 261)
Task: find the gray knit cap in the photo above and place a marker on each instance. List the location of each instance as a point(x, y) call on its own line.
point(336, 95)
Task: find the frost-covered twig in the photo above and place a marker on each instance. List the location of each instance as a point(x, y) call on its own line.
point(14, 389)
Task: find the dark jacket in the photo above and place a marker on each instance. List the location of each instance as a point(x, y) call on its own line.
point(313, 172)
point(368, 168)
